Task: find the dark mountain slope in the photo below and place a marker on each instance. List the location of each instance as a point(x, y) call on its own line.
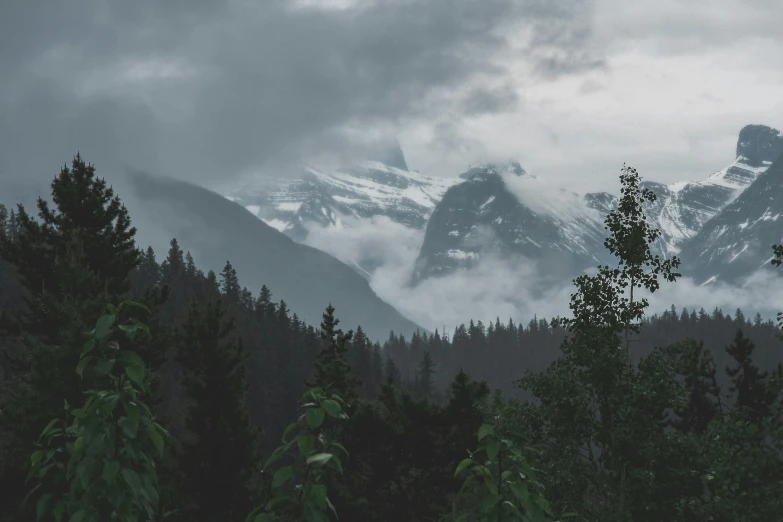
point(215, 229)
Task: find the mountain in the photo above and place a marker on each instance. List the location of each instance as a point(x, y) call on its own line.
point(683, 208)
point(736, 243)
point(215, 230)
point(501, 211)
point(363, 191)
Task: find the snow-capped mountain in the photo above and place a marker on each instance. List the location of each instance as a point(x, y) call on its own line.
point(501, 211)
point(683, 208)
point(737, 242)
point(363, 191)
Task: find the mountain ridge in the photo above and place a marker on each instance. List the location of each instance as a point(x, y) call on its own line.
point(215, 230)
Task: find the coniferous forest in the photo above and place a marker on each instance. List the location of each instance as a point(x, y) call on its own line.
point(136, 387)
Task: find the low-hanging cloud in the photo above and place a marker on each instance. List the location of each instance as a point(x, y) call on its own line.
point(507, 288)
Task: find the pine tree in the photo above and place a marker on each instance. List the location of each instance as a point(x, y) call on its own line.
point(85, 204)
point(147, 274)
point(748, 383)
point(43, 370)
point(173, 266)
point(218, 462)
point(3, 222)
point(190, 265)
point(425, 375)
point(699, 373)
point(13, 226)
point(229, 283)
point(331, 368)
point(212, 282)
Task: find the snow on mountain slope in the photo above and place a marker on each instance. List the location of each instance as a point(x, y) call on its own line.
point(736, 243)
point(683, 208)
point(363, 191)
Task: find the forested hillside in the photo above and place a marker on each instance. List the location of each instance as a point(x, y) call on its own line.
point(135, 387)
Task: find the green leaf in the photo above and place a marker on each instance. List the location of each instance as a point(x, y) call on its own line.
point(306, 444)
point(156, 438)
point(141, 326)
point(319, 459)
point(78, 516)
point(110, 470)
point(104, 365)
point(520, 491)
point(103, 326)
point(132, 479)
point(484, 430)
point(332, 407)
point(42, 505)
point(492, 450)
point(82, 364)
point(339, 446)
point(134, 304)
point(129, 428)
point(133, 366)
point(315, 417)
point(132, 411)
point(282, 476)
point(491, 485)
point(36, 457)
point(275, 456)
point(49, 427)
point(130, 330)
point(335, 461)
point(462, 465)
point(543, 504)
point(318, 494)
point(88, 347)
point(313, 514)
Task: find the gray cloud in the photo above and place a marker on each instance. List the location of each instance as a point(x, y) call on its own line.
point(208, 90)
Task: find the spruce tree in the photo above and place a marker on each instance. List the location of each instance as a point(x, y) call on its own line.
point(13, 226)
point(229, 283)
point(3, 222)
point(699, 378)
point(331, 368)
point(83, 203)
point(425, 375)
point(77, 256)
point(748, 383)
point(173, 266)
point(218, 455)
point(212, 282)
point(190, 265)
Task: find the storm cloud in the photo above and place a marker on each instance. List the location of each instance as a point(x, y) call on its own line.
point(212, 90)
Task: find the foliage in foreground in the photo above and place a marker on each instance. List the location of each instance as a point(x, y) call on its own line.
point(98, 462)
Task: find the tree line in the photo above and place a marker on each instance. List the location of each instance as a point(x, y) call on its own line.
point(174, 402)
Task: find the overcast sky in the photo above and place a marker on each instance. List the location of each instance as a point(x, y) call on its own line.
point(211, 90)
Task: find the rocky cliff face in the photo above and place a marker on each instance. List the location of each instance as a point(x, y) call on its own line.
point(482, 218)
point(737, 242)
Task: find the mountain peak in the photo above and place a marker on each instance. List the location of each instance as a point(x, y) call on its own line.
point(484, 169)
point(759, 145)
point(392, 156)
